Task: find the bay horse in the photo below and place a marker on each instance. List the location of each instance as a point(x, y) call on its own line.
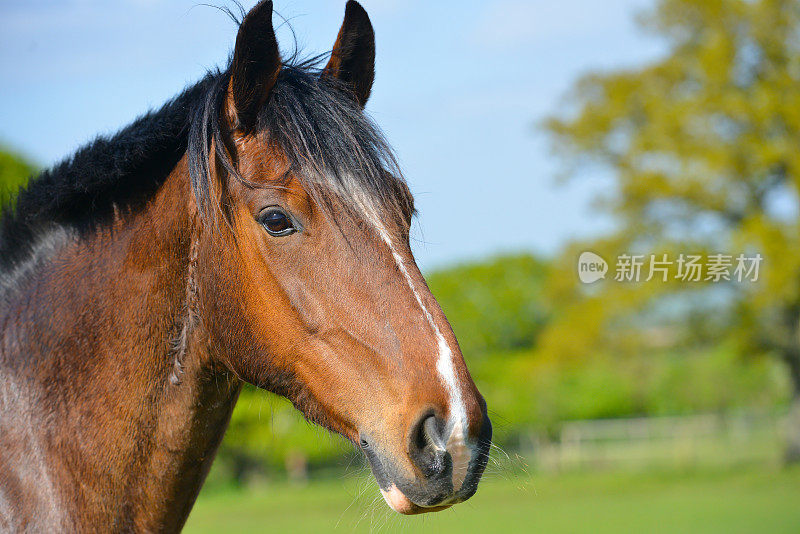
point(253, 229)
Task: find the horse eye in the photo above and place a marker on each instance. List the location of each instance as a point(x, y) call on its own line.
point(277, 223)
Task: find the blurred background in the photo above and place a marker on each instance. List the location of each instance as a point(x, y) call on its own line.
point(530, 132)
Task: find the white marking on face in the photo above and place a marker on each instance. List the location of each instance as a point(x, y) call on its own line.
point(456, 442)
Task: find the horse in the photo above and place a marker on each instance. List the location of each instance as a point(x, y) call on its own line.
point(253, 229)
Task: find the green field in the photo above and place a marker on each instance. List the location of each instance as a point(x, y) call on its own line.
point(743, 500)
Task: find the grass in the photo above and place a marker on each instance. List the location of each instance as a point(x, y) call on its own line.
point(744, 499)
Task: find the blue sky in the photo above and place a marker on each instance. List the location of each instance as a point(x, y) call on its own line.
point(459, 88)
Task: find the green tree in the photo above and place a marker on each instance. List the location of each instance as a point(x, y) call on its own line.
point(493, 305)
point(267, 435)
point(14, 172)
point(704, 148)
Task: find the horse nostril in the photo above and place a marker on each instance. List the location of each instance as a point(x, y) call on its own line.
point(433, 429)
point(418, 438)
point(427, 446)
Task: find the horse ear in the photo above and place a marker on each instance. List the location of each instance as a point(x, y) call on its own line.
point(353, 57)
point(254, 68)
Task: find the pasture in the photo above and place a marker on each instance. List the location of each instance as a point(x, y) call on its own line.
point(743, 499)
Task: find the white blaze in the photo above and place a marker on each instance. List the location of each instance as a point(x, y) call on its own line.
point(456, 443)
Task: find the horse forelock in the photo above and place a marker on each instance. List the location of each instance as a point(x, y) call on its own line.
point(330, 144)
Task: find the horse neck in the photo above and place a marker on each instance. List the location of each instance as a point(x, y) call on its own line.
point(119, 374)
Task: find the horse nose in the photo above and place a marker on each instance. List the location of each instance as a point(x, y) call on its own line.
point(427, 446)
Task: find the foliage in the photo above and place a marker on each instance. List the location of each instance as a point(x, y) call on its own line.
point(528, 391)
point(267, 434)
point(493, 305)
point(14, 172)
point(702, 145)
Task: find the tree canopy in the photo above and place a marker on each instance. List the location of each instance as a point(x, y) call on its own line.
point(14, 171)
point(703, 147)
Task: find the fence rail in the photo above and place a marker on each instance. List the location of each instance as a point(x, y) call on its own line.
point(705, 439)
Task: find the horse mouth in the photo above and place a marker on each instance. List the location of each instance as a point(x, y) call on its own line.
point(412, 496)
point(401, 504)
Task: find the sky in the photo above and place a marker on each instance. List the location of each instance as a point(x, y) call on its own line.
point(459, 91)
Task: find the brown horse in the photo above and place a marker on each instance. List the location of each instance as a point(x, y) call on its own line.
point(254, 229)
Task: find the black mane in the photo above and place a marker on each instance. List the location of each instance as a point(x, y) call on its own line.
point(330, 142)
point(120, 171)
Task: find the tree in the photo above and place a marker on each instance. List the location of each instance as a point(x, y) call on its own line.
point(14, 172)
point(704, 148)
point(493, 305)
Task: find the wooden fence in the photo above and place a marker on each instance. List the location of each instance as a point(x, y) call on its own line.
point(686, 441)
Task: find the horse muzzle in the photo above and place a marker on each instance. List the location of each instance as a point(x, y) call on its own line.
point(439, 468)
